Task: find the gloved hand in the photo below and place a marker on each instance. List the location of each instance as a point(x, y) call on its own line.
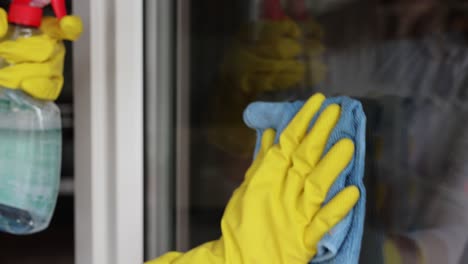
point(36, 63)
point(276, 215)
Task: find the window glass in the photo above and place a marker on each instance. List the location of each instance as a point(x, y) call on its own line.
point(405, 60)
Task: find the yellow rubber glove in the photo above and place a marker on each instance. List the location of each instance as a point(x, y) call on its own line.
point(36, 63)
point(276, 215)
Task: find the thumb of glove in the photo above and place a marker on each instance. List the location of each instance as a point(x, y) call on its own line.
point(3, 22)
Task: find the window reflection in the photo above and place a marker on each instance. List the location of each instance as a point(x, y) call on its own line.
point(406, 60)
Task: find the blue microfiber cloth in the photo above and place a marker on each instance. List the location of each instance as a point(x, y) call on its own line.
point(343, 243)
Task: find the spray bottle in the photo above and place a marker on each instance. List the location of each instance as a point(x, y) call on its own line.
point(30, 138)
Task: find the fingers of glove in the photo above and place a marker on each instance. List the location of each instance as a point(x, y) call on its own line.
point(47, 88)
point(308, 154)
point(311, 149)
point(72, 27)
point(67, 28)
point(268, 139)
point(13, 75)
point(49, 61)
point(281, 48)
point(3, 22)
point(51, 27)
point(330, 215)
point(322, 177)
point(297, 128)
point(33, 49)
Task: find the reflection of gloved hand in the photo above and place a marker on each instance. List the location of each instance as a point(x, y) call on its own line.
point(276, 215)
point(391, 253)
point(387, 248)
point(264, 58)
point(313, 49)
point(400, 249)
point(36, 63)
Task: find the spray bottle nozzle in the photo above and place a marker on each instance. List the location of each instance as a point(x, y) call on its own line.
point(29, 12)
point(59, 7)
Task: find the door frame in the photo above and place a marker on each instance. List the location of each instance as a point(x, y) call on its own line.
point(159, 127)
point(108, 107)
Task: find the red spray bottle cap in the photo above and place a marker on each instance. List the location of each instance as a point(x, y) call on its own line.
point(27, 13)
point(272, 10)
point(59, 7)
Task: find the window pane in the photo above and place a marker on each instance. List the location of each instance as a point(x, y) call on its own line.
point(405, 60)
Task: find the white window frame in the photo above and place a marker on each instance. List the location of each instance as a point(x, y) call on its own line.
point(159, 122)
point(108, 107)
point(167, 151)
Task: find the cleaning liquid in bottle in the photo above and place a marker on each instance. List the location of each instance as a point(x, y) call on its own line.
point(30, 139)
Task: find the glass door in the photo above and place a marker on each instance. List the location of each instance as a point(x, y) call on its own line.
point(405, 60)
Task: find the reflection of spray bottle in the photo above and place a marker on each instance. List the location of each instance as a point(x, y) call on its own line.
point(30, 138)
point(299, 13)
point(312, 40)
point(261, 10)
point(272, 10)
